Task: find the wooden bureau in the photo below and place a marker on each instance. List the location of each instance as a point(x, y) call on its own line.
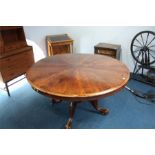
point(15, 55)
point(111, 50)
point(59, 44)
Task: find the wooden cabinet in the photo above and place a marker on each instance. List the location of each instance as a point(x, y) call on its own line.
point(15, 55)
point(111, 50)
point(59, 44)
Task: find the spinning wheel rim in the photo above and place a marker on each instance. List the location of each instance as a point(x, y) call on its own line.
point(144, 48)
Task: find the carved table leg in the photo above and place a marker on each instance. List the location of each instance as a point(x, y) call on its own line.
point(101, 110)
point(72, 108)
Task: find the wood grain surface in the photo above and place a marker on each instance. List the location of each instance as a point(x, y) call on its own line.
point(77, 77)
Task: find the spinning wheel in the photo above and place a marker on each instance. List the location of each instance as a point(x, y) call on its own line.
point(143, 51)
point(143, 48)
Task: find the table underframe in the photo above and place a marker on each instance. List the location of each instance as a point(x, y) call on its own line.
point(72, 108)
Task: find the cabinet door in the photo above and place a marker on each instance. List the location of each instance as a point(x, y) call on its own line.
point(16, 65)
point(61, 49)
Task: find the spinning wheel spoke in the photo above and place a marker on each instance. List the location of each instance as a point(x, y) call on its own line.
point(137, 46)
point(147, 38)
point(136, 51)
point(151, 46)
point(140, 52)
point(152, 50)
point(139, 42)
point(150, 42)
point(152, 55)
point(142, 39)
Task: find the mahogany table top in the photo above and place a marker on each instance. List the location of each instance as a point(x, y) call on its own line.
point(78, 77)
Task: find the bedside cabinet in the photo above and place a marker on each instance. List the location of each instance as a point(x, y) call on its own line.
point(59, 44)
point(111, 50)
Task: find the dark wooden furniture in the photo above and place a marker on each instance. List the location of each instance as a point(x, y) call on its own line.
point(111, 50)
point(59, 44)
point(78, 77)
point(15, 55)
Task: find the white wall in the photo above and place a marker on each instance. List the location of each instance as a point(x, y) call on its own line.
point(86, 37)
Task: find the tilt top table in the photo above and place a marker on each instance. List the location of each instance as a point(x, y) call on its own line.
point(78, 77)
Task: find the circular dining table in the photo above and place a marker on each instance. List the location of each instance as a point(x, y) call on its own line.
point(78, 77)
